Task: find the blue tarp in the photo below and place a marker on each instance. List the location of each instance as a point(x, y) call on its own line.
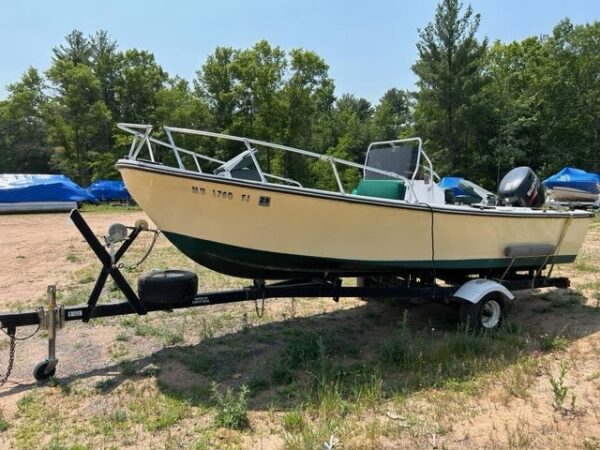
point(105, 190)
point(576, 179)
point(452, 183)
point(17, 188)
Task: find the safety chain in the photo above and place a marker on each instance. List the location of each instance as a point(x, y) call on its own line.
point(11, 357)
point(141, 261)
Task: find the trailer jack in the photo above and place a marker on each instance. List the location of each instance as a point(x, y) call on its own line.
point(51, 320)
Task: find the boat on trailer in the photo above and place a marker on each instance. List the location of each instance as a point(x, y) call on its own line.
point(397, 230)
point(239, 220)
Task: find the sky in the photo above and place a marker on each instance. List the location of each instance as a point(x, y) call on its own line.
point(368, 44)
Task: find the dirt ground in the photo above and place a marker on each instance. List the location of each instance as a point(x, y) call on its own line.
point(513, 406)
point(34, 250)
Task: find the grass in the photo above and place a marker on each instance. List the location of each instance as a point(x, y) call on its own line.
point(166, 332)
point(107, 208)
point(156, 412)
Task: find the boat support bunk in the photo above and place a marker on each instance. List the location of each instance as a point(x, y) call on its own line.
point(483, 301)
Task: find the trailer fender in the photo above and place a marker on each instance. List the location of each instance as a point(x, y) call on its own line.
point(474, 290)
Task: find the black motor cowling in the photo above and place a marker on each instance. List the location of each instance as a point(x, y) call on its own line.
point(522, 187)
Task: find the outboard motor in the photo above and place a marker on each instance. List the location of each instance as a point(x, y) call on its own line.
point(522, 187)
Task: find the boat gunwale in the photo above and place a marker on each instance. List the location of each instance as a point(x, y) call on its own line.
point(511, 212)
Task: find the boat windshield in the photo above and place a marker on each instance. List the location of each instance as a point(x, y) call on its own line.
point(242, 166)
point(400, 159)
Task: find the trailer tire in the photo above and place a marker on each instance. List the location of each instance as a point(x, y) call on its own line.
point(165, 287)
point(485, 315)
point(39, 371)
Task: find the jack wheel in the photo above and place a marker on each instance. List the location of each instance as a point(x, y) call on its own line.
point(39, 371)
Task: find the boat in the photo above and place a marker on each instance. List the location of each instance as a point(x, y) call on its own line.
point(237, 219)
point(30, 193)
point(573, 185)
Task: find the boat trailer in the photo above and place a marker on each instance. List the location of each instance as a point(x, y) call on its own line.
point(474, 295)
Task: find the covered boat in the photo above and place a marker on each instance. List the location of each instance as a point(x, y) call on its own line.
point(573, 185)
point(109, 190)
point(40, 192)
point(240, 220)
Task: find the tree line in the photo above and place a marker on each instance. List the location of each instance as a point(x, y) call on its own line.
point(481, 108)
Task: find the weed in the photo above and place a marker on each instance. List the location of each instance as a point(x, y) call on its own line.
point(231, 409)
point(293, 421)
point(122, 336)
point(206, 331)
point(560, 390)
point(551, 343)
point(72, 257)
point(118, 352)
point(368, 389)
point(3, 425)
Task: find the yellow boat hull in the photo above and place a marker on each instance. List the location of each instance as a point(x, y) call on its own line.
point(254, 230)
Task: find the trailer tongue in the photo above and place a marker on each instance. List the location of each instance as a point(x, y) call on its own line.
point(483, 301)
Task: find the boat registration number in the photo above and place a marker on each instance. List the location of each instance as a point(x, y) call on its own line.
point(217, 193)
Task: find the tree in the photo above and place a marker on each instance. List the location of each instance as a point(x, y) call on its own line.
point(450, 77)
point(309, 98)
point(23, 127)
point(78, 119)
point(392, 115)
point(215, 83)
point(258, 74)
point(139, 82)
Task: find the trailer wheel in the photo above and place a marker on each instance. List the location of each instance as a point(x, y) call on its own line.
point(487, 314)
point(167, 286)
point(39, 371)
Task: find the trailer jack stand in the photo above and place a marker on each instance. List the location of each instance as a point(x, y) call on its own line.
point(51, 320)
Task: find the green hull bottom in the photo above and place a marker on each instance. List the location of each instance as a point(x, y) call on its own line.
point(248, 263)
point(256, 264)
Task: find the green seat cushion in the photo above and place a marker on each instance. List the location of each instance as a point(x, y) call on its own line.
point(393, 189)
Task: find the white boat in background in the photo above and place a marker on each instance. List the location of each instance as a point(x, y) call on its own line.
point(235, 218)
